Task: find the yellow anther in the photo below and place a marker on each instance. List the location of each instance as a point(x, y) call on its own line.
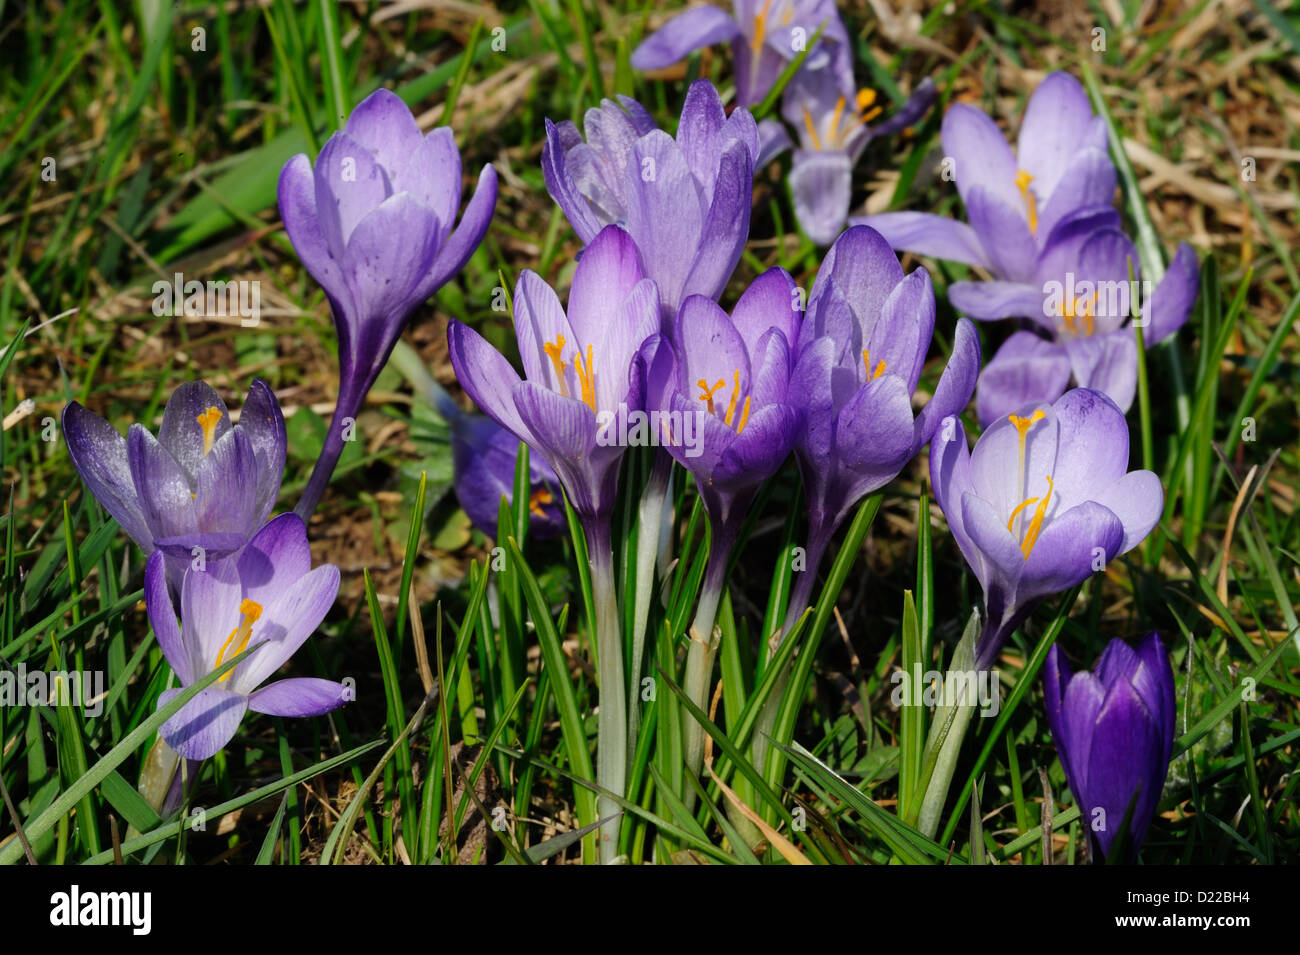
point(1023, 179)
point(539, 499)
point(744, 416)
point(812, 130)
point(731, 405)
point(250, 610)
point(208, 421)
point(1019, 507)
point(788, 15)
point(555, 352)
point(587, 378)
point(760, 28)
point(1036, 524)
point(866, 363)
point(867, 110)
point(834, 134)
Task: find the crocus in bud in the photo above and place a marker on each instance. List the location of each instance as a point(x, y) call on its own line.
point(1045, 500)
point(1016, 202)
point(372, 222)
point(1081, 303)
point(584, 369)
point(199, 490)
point(269, 595)
point(765, 35)
point(685, 201)
point(1114, 731)
point(833, 131)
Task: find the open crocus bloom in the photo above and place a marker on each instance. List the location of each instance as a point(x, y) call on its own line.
point(833, 131)
point(484, 456)
point(765, 35)
point(1114, 731)
point(202, 483)
point(861, 349)
point(582, 368)
point(1044, 500)
point(685, 201)
point(1015, 201)
point(1082, 300)
point(270, 593)
point(724, 381)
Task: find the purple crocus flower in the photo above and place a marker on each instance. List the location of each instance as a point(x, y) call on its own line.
point(1114, 731)
point(372, 222)
point(484, 456)
point(1081, 300)
point(270, 593)
point(201, 488)
point(765, 35)
point(860, 353)
point(685, 201)
point(833, 131)
point(1018, 204)
point(1045, 500)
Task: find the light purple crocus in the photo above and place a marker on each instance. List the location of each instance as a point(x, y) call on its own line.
point(484, 457)
point(833, 131)
point(201, 488)
point(765, 35)
point(861, 349)
point(1114, 731)
point(269, 595)
point(685, 201)
point(1015, 202)
point(1081, 302)
point(1044, 501)
point(372, 222)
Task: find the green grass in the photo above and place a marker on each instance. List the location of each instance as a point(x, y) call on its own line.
point(471, 737)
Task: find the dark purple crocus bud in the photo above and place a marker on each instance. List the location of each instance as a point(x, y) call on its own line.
point(1114, 731)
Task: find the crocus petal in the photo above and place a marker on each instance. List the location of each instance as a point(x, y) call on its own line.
point(820, 183)
point(810, 386)
point(995, 300)
point(1106, 363)
point(1084, 695)
point(709, 348)
point(664, 215)
point(950, 478)
point(1093, 446)
point(1068, 548)
point(162, 618)
point(540, 322)
point(771, 301)
point(1172, 300)
point(486, 377)
point(562, 428)
point(1126, 738)
point(956, 384)
point(1055, 116)
point(1026, 369)
point(1107, 259)
point(226, 492)
point(989, 535)
point(350, 182)
point(865, 268)
point(432, 175)
point(773, 140)
point(181, 434)
point(99, 454)
point(873, 433)
point(286, 623)
point(560, 183)
point(759, 450)
point(210, 602)
point(634, 320)
point(383, 124)
point(701, 121)
point(161, 485)
point(1137, 499)
point(277, 555)
point(903, 333)
point(297, 198)
point(461, 244)
point(910, 113)
point(927, 234)
point(981, 155)
point(997, 454)
point(1004, 234)
point(688, 31)
point(723, 230)
point(204, 725)
point(606, 274)
point(1089, 180)
point(375, 264)
point(261, 419)
point(299, 696)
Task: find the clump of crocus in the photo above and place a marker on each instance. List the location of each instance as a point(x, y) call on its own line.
point(269, 595)
point(199, 490)
point(583, 369)
point(725, 380)
point(685, 201)
point(1044, 501)
point(765, 35)
point(1016, 202)
point(1114, 731)
point(1086, 290)
point(372, 222)
point(833, 131)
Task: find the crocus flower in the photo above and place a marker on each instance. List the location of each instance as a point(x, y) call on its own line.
point(765, 35)
point(1114, 731)
point(372, 222)
point(269, 595)
point(861, 350)
point(578, 366)
point(1016, 203)
point(1081, 301)
point(1044, 500)
point(833, 131)
point(484, 456)
point(201, 488)
point(685, 201)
